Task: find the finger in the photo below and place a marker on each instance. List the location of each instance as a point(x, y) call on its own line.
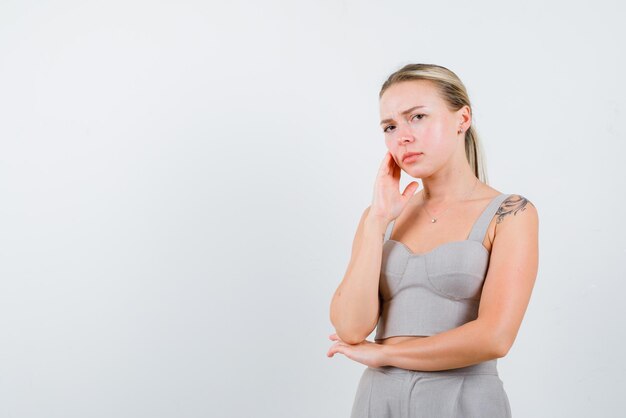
point(395, 162)
point(410, 189)
point(394, 166)
point(335, 337)
point(336, 348)
point(397, 171)
point(384, 165)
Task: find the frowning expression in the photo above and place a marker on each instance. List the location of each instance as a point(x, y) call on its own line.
point(415, 119)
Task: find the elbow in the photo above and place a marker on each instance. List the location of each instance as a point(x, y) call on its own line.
point(501, 346)
point(352, 333)
point(351, 338)
point(496, 339)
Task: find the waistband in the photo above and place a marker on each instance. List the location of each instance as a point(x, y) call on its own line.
point(486, 367)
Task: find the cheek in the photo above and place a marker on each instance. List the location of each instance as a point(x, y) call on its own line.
point(391, 144)
point(439, 139)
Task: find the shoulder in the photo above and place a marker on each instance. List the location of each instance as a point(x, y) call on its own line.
point(516, 212)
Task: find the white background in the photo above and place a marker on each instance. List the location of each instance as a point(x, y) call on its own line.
point(181, 181)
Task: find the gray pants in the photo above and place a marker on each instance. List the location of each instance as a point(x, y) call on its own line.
point(474, 391)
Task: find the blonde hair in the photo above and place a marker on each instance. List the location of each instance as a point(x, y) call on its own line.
point(453, 92)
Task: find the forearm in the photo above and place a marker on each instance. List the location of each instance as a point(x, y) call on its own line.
point(354, 307)
point(470, 343)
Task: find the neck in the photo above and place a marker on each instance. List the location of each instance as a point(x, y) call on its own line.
point(450, 186)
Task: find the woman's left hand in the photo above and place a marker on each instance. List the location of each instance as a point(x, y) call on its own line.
point(365, 352)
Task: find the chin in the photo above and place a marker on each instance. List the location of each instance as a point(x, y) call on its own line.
point(416, 172)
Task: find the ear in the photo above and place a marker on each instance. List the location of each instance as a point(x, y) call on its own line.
point(465, 117)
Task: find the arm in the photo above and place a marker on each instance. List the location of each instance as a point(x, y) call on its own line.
point(354, 308)
point(505, 296)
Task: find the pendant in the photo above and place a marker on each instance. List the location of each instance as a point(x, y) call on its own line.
point(433, 220)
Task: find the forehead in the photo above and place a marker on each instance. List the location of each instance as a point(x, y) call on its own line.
point(406, 94)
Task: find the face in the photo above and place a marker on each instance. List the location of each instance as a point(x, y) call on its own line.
point(415, 119)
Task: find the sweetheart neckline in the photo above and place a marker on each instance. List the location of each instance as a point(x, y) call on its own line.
point(468, 239)
point(414, 254)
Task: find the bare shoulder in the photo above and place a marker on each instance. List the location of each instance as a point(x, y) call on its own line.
point(516, 214)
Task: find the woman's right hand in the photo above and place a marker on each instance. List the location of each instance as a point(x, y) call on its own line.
point(388, 202)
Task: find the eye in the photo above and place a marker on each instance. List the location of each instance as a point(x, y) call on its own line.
point(421, 116)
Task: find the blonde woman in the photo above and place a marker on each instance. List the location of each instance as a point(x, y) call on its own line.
point(444, 275)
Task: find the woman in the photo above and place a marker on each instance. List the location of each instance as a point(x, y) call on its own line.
point(444, 275)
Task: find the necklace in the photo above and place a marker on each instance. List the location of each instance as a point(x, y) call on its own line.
point(433, 219)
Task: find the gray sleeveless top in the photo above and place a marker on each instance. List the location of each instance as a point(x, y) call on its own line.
point(425, 294)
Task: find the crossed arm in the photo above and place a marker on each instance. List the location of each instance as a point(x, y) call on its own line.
point(505, 296)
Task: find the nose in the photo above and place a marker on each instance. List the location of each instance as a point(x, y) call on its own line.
point(404, 133)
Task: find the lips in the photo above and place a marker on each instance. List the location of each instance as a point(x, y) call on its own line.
point(410, 154)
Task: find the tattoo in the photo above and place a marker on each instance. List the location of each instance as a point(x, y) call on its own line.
point(513, 204)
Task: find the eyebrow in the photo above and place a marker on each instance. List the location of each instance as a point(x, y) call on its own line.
point(403, 113)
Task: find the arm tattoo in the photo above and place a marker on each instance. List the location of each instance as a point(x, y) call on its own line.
point(512, 204)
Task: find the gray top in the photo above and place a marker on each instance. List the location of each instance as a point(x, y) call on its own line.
point(426, 294)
